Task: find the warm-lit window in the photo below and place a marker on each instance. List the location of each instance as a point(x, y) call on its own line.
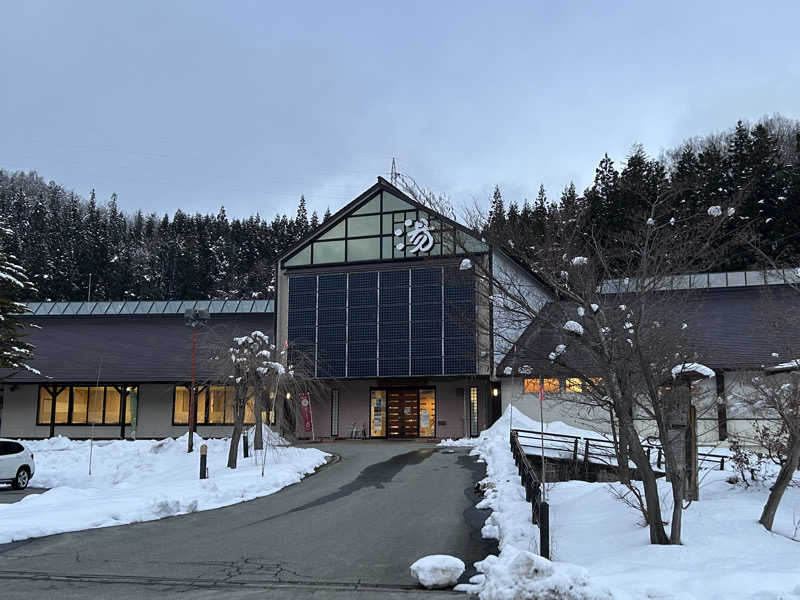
point(215, 405)
point(377, 413)
point(427, 413)
point(551, 385)
point(80, 404)
point(45, 406)
point(96, 401)
point(112, 405)
point(593, 384)
point(180, 406)
point(473, 410)
point(573, 385)
point(83, 405)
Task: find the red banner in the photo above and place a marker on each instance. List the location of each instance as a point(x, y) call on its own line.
point(305, 412)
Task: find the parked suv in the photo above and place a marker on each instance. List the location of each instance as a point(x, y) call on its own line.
point(16, 464)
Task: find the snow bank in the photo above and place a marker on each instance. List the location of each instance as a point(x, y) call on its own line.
point(517, 572)
point(142, 480)
point(437, 570)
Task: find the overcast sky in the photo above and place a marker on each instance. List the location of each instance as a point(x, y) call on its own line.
point(192, 105)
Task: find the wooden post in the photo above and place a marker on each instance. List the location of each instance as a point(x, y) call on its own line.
point(575, 451)
point(658, 459)
point(692, 476)
point(245, 445)
point(544, 529)
point(203, 463)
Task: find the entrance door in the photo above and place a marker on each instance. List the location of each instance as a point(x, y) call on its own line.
point(403, 413)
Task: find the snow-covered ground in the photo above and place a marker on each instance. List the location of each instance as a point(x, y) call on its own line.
point(600, 550)
point(142, 480)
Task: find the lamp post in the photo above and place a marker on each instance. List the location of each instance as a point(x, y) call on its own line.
point(193, 318)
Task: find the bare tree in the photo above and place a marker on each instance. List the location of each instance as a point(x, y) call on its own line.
point(779, 394)
point(618, 314)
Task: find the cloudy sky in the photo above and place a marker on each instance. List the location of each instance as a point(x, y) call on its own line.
point(250, 104)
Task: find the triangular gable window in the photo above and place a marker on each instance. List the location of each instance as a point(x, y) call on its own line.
point(384, 227)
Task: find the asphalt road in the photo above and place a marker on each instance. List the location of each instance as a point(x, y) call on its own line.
point(9, 495)
point(351, 529)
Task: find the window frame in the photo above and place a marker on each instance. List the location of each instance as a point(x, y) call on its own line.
point(474, 407)
point(446, 231)
point(124, 400)
point(205, 389)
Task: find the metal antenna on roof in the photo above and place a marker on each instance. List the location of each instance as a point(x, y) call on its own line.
point(393, 176)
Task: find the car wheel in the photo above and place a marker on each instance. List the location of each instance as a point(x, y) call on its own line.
point(21, 480)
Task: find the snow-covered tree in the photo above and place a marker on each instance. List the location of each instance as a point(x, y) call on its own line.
point(15, 352)
point(254, 375)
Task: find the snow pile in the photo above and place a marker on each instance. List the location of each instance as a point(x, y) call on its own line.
point(142, 480)
point(437, 570)
point(574, 327)
point(528, 575)
point(517, 572)
point(714, 211)
point(465, 265)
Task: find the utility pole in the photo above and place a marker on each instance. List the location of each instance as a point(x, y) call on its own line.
point(193, 318)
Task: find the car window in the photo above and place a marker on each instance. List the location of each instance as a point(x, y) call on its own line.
point(7, 448)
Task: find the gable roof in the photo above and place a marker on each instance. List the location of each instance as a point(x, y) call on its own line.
point(352, 206)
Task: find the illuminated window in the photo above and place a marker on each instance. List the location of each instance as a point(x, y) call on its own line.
point(473, 410)
point(594, 384)
point(427, 413)
point(80, 404)
point(83, 405)
point(112, 406)
point(573, 385)
point(550, 385)
point(215, 406)
point(377, 413)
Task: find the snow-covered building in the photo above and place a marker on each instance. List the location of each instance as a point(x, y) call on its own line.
point(384, 302)
point(740, 326)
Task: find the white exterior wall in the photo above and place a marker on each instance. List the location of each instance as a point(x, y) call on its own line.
point(511, 317)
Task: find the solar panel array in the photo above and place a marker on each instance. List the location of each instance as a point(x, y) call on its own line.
point(415, 321)
point(149, 307)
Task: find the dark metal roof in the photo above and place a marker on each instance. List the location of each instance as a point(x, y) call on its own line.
point(133, 349)
point(733, 328)
point(149, 307)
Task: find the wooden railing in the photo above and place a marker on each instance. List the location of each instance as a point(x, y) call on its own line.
point(588, 449)
point(540, 509)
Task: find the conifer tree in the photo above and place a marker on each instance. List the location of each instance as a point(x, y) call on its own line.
point(15, 352)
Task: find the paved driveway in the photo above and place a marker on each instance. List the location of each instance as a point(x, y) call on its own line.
point(9, 495)
point(352, 528)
